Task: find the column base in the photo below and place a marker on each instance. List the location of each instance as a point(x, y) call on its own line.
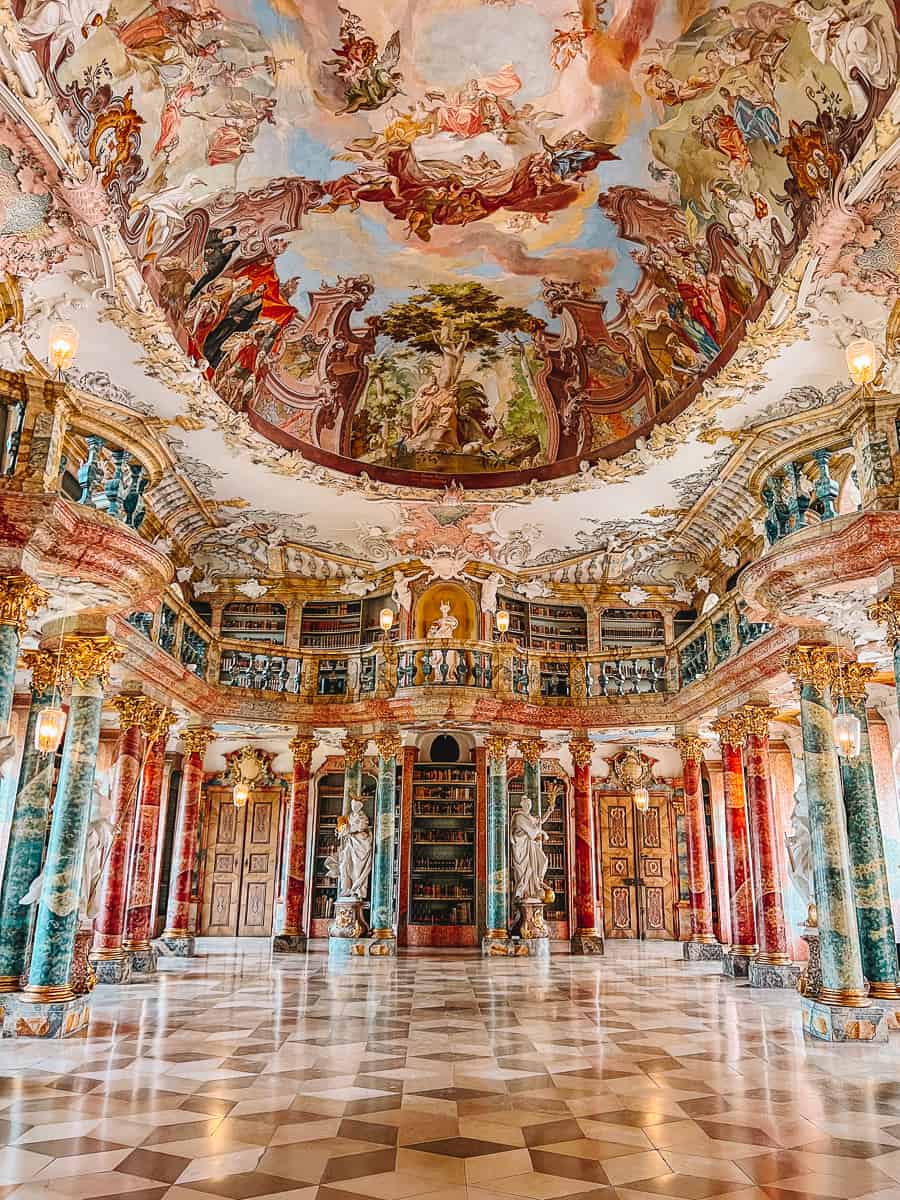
point(112, 970)
point(702, 951)
point(363, 947)
point(587, 942)
point(289, 943)
point(143, 962)
point(774, 975)
point(836, 1023)
point(736, 962)
point(181, 945)
point(515, 947)
point(20, 1018)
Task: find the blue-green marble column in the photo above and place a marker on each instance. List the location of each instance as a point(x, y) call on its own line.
point(28, 829)
point(86, 661)
point(385, 834)
point(874, 918)
point(843, 982)
point(497, 847)
point(20, 597)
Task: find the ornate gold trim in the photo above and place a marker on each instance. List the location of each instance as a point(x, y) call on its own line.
point(9, 983)
point(532, 748)
point(730, 730)
point(42, 665)
point(302, 748)
point(884, 991)
point(774, 960)
point(845, 997)
point(497, 935)
point(104, 955)
point(155, 720)
point(130, 709)
point(88, 658)
point(814, 665)
point(691, 748)
point(36, 993)
point(886, 611)
point(497, 746)
point(582, 751)
point(131, 945)
point(852, 680)
point(388, 743)
point(744, 951)
point(354, 748)
point(756, 718)
point(382, 935)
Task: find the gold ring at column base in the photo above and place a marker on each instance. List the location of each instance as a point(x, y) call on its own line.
point(103, 955)
point(288, 931)
point(845, 997)
point(498, 935)
point(884, 990)
point(176, 933)
point(774, 960)
point(10, 983)
point(587, 931)
point(705, 939)
point(744, 951)
point(132, 944)
point(37, 993)
point(382, 935)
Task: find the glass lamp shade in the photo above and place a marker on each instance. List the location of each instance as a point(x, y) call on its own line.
point(641, 799)
point(62, 345)
point(847, 735)
point(240, 795)
point(386, 619)
point(502, 618)
point(863, 361)
point(48, 730)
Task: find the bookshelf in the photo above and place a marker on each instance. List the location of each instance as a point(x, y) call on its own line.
point(561, 627)
point(556, 848)
point(624, 627)
point(254, 622)
point(329, 802)
point(371, 620)
point(442, 858)
point(330, 625)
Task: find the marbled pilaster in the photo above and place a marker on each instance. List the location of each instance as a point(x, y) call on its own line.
point(874, 917)
point(702, 945)
point(382, 911)
point(178, 934)
point(737, 840)
point(137, 915)
point(588, 938)
point(28, 830)
point(497, 913)
point(289, 938)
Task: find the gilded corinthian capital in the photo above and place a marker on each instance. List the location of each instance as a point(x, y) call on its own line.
point(497, 746)
point(388, 744)
point(130, 709)
point(42, 665)
point(195, 739)
point(691, 748)
point(302, 748)
point(814, 665)
point(756, 719)
point(88, 658)
point(532, 749)
point(354, 749)
point(155, 719)
point(730, 730)
point(20, 598)
point(582, 751)
point(852, 680)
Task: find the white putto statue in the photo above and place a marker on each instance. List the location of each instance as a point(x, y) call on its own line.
point(529, 859)
point(352, 865)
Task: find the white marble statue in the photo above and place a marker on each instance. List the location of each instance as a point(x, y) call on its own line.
point(401, 593)
point(529, 859)
point(446, 625)
point(799, 846)
point(489, 592)
point(352, 865)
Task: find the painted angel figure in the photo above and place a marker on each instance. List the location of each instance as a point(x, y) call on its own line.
point(370, 80)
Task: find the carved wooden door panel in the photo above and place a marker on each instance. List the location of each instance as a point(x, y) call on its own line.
point(636, 864)
point(224, 868)
point(260, 859)
point(616, 825)
point(654, 869)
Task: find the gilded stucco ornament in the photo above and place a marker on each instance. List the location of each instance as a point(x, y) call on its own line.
point(730, 730)
point(195, 739)
point(497, 746)
point(813, 665)
point(42, 665)
point(691, 748)
point(389, 744)
point(301, 748)
point(86, 659)
point(582, 751)
point(20, 599)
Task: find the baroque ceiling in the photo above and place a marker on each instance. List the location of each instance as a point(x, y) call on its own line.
point(503, 280)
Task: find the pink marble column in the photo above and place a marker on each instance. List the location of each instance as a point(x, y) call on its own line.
point(718, 862)
point(588, 938)
point(737, 837)
point(703, 943)
point(289, 937)
point(178, 935)
point(771, 927)
point(140, 889)
point(111, 963)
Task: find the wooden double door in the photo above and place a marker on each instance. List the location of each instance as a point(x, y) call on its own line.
point(240, 881)
point(638, 867)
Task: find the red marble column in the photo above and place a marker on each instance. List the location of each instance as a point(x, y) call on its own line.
point(107, 952)
point(702, 935)
point(737, 839)
point(770, 923)
point(289, 937)
point(587, 938)
point(140, 890)
point(177, 934)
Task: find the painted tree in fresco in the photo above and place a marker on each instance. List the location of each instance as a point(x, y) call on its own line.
point(451, 320)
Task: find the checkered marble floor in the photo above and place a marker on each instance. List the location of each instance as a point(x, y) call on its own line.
point(633, 1076)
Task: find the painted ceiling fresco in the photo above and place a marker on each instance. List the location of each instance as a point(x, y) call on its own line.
point(472, 240)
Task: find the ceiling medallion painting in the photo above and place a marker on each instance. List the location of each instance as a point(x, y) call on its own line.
point(471, 240)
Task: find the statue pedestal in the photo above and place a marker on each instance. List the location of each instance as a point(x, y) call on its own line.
point(349, 936)
point(702, 951)
point(838, 1023)
point(24, 1018)
point(113, 970)
point(532, 938)
point(810, 981)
